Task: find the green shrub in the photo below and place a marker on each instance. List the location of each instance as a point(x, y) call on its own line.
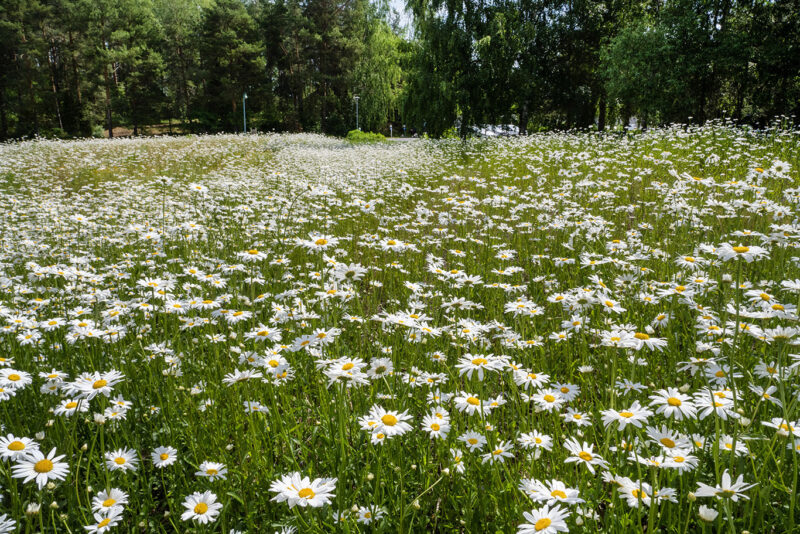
point(357, 136)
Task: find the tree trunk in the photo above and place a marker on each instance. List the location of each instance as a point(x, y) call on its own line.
point(601, 112)
point(109, 124)
point(523, 119)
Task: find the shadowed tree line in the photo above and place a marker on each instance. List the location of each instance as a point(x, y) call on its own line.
point(83, 67)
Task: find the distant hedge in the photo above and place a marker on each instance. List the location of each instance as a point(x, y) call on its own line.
point(357, 136)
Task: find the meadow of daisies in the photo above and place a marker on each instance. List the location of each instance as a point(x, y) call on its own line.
point(289, 333)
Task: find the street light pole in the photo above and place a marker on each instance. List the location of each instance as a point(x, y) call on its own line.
point(244, 111)
point(356, 99)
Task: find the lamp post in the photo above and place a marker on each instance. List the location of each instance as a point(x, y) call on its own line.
point(244, 111)
point(356, 97)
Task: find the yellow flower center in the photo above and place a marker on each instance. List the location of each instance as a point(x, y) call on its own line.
point(119, 461)
point(583, 455)
point(389, 420)
point(16, 446)
point(542, 524)
point(108, 503)
point(163, 456)
point(435, 427)
point(473, 401)
point(741, 250)
point(626, 415)
point(667, 442)
point(104, 522)
point(559, 494)
point(321, 242)
point(306, 493)
point(347, 366)
point(14, 377)
point(674, 401)
point(70, 405)
point(43, 466)
point(720, 373)
point(99, 384)
point(201, 508)
point(480, 361)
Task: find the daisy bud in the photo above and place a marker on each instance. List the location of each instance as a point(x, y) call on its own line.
point(740, 411)
point(744, 421)
point(446, 471)
point(85, 447)
point(707, 514)
point(49, 423)
point(166, 513)
point(691, 496)
point(354, 509)
point(579, 521)
point(63, 517)
point(413, 467)
point(649, 329)
point(99, 419)
point(40, 436)
point(89, 489)
point(370, 476)
point(727, 278)
point(684, 388)
point(229, 447)
point(54, 504)
point(415, 504)
point(32, 509)
point(142, 524)
point(397, 469)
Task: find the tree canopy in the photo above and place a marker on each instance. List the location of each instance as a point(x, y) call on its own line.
point(83, 67)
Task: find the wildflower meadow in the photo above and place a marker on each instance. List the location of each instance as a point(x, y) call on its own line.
point(560, 332)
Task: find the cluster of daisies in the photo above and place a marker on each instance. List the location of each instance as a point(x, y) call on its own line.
point(598, 334)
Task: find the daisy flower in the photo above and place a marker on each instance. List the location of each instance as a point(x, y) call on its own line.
point(583, 454)
point(550, 493)
point(164, 456)
point(545, 520)
point(635, 415)
point(302, 491)
point(122, 460)
point(727, 252)
point(36, 466)
point(499, 454)
point(105, 501)
point(473, 440)
point(201, 507)
point(212, 471)
point(535, 440)
point(674, 404)
point(105, 521)
point(16, 447)
point(727, 489)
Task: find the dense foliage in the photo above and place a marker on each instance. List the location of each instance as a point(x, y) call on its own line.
point(79, 67)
